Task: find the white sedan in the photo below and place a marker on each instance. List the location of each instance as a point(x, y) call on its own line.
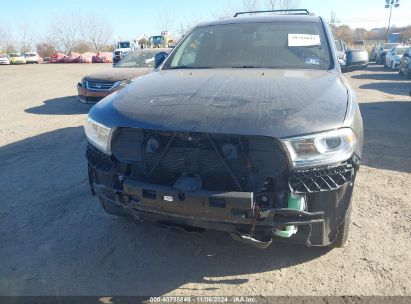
point(4, 59)
point(32, 58)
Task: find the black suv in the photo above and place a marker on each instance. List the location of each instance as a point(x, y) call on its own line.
point(248, 127)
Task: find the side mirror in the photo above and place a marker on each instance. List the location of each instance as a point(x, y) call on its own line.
point(159, 59)
point(355, 60)
point(341, 55)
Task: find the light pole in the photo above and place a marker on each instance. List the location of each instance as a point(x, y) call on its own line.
point(389, 4)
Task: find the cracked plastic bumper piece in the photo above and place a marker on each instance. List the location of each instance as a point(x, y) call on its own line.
point(321, 179)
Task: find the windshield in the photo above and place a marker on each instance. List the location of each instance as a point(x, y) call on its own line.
point(15, 55)
point(254, 45)
point(29, 55)
point(338, 45)
point(388, 46)
point(123, 45)
point(401, 51)
point(157, 39)
point(137, 60)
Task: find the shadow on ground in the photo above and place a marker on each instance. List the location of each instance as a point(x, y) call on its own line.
point(376, 67)
point(60, 106)
point(387, 135)
point(380, 76)
point(395, 88)
point(57, 240)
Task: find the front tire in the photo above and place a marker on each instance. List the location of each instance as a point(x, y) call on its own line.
point(407, 73)
point(343, 231)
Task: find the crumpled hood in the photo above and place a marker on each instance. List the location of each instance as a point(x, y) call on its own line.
point(116, 74)
point(267, 102)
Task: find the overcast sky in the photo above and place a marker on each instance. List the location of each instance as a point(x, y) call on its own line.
point(130, 18)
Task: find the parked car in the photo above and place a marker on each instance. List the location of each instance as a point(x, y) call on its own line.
point(393, 57)
point(382, 52)
point(17, 58)
point(103, 57)
point(95, 87)
point(4, 59)
point(122, 48)
point(374, 53)
point(341, 48)
point(405, 64)
point(356, 59)
point(57, 58)
point(32, 58)
point(247, 127)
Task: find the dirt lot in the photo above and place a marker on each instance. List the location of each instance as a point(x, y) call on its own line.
point(55, 239)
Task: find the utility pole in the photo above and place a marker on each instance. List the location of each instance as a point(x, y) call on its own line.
point(332, 18)
point(390, 4)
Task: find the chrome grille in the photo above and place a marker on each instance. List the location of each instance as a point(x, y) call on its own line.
point(99, 85)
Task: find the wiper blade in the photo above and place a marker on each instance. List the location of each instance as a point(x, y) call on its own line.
point(246, 67)
point(188, 67)
point(255, 67)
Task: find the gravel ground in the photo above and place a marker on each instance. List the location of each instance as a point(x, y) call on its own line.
point(55, 239)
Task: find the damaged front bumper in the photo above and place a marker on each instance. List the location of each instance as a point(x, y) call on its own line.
point(232, 212)
point(253, 217)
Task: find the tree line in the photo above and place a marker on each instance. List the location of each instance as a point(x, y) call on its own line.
point(349, 35)
point(66, 33)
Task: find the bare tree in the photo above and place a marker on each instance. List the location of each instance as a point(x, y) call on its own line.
point(46, 47)
point(280, 4)
point(233, 7)
point(271, 4)
point(287, 4)
point(187, 25)
point(360, 33)
point(97, 31)
point(3, 32)
point(65, 30)
point(7, 43)
point(83, 46)
point(343, 32)
point(250, 5)
point(227, 11)
point(184, 29)
point(26, 36)
point(165, 21)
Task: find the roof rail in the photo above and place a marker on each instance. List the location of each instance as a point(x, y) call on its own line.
point(288, 11)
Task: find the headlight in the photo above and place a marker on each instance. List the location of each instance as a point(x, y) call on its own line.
point(123, 83)
point(83, 82)
point(322, 148)
point(98, 135)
